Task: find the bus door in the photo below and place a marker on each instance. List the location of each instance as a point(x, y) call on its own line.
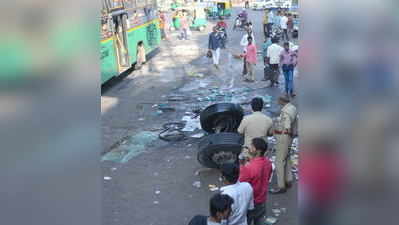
point(120, 39)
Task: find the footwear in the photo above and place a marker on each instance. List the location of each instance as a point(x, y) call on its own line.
point(278, 191)
point(293, 94)
point(288, 184)
point(246, 80)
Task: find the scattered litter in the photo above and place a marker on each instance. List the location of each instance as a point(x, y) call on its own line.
point(276, 211)
point(113, 169)
point(157, 192)
point(191, 124)
point(213, 187)
point(220, 179)
point(107, 178)
point(197, 184)
point(187, 157)
point(141, 119)
point(271, 220)
point(133, 146)
point(199, 135)
point(156, 202)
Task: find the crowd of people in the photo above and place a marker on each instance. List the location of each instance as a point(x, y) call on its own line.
point(246, 184)
point(243, 197)
point(276, 28)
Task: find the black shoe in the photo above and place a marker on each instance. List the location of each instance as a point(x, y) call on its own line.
point(278, 191)
point(288, 185)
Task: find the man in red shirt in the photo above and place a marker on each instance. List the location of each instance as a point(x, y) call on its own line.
point(257, 173)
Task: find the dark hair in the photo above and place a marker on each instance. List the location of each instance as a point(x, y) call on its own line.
point(260, 145)
point(230, 171)
point(274, 40)
point(257, 104)
point(286, 43)
point(140, 43)
point(219, 203)
point(249, 38)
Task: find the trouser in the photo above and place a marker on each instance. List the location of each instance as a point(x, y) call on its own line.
point(250, 71)
point(216, 56)
point(285, 35)
point(244, 68)
point(257, 215)
point(267, 28)
point(283, 162)
point(289, 81)
point(163, 34)
point(184, 34)
point(275, 71)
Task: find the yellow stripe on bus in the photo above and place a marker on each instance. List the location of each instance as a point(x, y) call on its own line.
point(132, 29)
point(142, 25)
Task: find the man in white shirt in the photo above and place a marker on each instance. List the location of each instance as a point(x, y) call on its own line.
point(240, 192)
point(273, 59)
point(284, 26)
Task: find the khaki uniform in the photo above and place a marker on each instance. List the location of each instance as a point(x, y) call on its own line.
point(282, 132)
point(253, 126)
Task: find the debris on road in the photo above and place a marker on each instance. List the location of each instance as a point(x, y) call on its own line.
point(157, 192)
point(197, 184)
point(276, 211)
point(107, 178)
point(130, 147)
point(199, 135)
point(271, 220)
point(213, 187)
point(156, 202)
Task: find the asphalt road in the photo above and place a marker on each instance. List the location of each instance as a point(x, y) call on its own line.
point(154, 187)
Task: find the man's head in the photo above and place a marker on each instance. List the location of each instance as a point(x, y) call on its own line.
point(250, 39)
point(258, 147)
point(283, 100)
point(274, 40)
point(287, 46)
point(257, 104)
point(220, 207)
point(230, 173)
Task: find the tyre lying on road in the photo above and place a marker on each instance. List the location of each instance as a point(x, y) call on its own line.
point(224, 144)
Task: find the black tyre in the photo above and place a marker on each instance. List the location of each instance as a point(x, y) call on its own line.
point(221, 117)
point(216, 149)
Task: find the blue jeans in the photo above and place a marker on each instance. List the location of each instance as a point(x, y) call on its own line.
point(289, 80)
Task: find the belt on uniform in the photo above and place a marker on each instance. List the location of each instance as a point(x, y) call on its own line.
point(281, 132)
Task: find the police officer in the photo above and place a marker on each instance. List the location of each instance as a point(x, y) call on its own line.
point(283, 132)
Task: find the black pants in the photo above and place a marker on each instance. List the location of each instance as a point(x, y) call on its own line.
point(257, 215)
point(275, 72)
point(268, 29)
point(285, 35)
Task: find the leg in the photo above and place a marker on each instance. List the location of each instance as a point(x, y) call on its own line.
point(217, 56)
point(259, 218)
point(250, 74)
point(214, 57)
point(281, 154)
point(244, 71)
point(291, 81)
point(286, 79)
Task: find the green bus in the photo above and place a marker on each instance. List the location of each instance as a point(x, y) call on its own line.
point(125, 23)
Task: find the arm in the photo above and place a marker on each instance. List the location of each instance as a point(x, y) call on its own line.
point(241, 128)
point(251, 201)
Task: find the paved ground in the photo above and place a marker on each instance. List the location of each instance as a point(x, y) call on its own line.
point(155, 186)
